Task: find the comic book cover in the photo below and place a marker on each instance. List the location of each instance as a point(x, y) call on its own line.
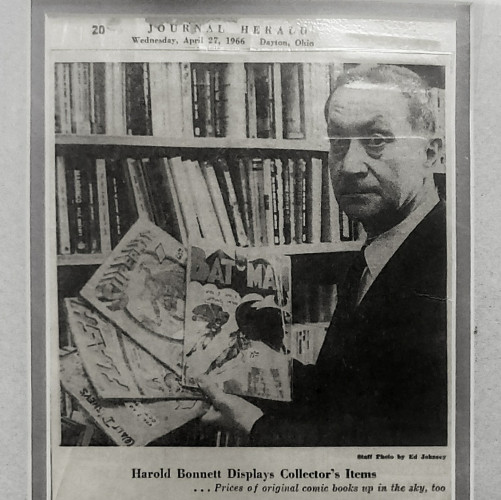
point(117, 367)
point(127, 423)
point(141, 288)
point(237, 305)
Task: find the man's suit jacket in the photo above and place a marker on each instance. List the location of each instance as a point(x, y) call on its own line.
point(381, 376)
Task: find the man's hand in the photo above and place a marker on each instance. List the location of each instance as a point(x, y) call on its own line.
point(228, 411)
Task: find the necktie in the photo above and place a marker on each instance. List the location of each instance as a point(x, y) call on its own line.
point(351, 283)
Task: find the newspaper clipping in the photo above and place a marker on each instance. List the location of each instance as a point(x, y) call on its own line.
point(250, 256)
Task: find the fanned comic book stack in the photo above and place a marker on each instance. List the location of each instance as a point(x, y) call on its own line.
point(143, 330)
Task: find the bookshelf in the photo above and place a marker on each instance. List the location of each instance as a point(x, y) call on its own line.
point(199, 142)
point(206, 116)
point(234, 152)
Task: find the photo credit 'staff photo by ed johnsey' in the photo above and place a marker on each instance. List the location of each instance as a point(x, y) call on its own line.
point(250, 246)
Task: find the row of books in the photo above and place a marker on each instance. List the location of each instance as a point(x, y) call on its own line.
point(255, 100)
point(241, 200)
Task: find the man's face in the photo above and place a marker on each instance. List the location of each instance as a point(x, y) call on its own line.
point(378, 163)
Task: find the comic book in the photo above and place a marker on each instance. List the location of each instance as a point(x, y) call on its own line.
point(237, 307)
point(128, 423)
point(141, 287)
point(118, 367)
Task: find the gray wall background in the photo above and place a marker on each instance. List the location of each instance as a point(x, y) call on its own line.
point(15, 420)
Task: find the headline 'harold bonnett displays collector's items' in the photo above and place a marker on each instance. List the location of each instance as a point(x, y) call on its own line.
point(252, 255)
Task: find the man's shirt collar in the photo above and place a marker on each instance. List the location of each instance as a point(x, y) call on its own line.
point(380, 250)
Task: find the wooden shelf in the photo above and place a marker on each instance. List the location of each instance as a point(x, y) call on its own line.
point(308, 248)
point(81, 259)
point(192, 142)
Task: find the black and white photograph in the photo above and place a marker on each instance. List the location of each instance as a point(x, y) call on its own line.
point(252, 246)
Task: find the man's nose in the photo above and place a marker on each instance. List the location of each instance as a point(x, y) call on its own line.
point(355, 159)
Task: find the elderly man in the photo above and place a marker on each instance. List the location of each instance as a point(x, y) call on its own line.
point(381, 376)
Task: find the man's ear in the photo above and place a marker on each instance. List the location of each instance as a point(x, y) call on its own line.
point(433, 153)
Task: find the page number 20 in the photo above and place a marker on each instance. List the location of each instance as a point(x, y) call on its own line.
point(98, 29)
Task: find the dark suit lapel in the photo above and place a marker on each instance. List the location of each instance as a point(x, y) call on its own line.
point(403, 269)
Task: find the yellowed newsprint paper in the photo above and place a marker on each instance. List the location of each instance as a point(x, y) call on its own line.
point(251, 258)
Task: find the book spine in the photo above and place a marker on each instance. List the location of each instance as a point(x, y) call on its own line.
point(235, 100)
point(287, 203)
point(82, 233)
point(196, 100)
point(218, 201)
point(329, 210)
point(265, 104)
point(251, 101)
point(254, 202)
point(115, 100)
point(278, 100)
point(128, 205)
point(147, 99)
point(142, 166)
point(245, 197)
point(58, 96)
point(153, 194)
point(208, 101)
point(310, 100)
point(203, 205)
point(219, 100)
point(139, 194)
point(275, 179)
point(175, 203)
point(92, 99)
point(211, 221)
point(310, 202)
point(94, 230)
point(183, 190)
point(66, 112)
point(135, 105)
point(176, 102)
point(292, 198)
point(158, 90)
point(231, 199)
point(75, 99)
point(300, 221)
point(156, 187)
point(316, 194)
point(259, 173)
point(120, 98)
point(113, 185)
point(104, 209)
point(268, 202)
point(123, 212)
point(186, 88)
point(293, 101)
point(280, 200)
point(85, 128)
point(81, 98)
point(63, 227)
point(99, 118)
point(109, 100)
